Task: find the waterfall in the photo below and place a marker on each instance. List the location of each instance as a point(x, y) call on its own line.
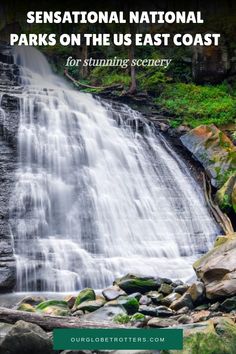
point(94, 197)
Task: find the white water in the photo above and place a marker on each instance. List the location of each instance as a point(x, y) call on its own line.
point(94, 199)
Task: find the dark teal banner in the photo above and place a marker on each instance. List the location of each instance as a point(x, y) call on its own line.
point(117, 338)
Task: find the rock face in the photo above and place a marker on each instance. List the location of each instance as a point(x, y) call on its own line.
point(9, 118)
point(226, 195)
point(213, 149)
point(210, 64)
point(217, 269)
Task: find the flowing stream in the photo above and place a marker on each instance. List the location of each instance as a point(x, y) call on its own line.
point(94, 197)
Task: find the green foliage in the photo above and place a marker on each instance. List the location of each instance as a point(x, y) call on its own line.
point(196, 105)
point(223, 177)
point(207, 343)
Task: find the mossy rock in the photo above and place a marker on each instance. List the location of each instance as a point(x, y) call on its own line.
point(53, 307)
point(137, 317)
point(87, 294)
point(131, 283)
point(130, 304)
point(121, 318)
point(26, 307)
point(226, 195)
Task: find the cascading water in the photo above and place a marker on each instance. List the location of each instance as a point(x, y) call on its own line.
point(94, 199)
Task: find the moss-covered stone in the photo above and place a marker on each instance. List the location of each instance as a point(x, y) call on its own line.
point(87, 294)
point(214, 150)
point(131, 283)
point(54, 307)
point(26, 307)
point(226, 195)
point(130, 304)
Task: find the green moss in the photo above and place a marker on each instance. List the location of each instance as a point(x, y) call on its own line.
point(48, 303)
point(87, 294)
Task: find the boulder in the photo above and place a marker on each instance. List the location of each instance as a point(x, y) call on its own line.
point(105, 314)
point(229, 304)
point(87, 294)
point(112, 293)
point(184, 300)
point(32, 300)
point(161, 322)
point(167, 301)
point(147, 310)
point(217, 269)
point(90, 306)
point(197, 292)
point(131, 283)
point(53, 307)
point(145, 300)
point(70, 299)
point(213, 149)
point(165, 289)
point(184, 319)
point(27, 338)
point(155, 297)
point(130, 304)
point(164, 311)
point(181, 289)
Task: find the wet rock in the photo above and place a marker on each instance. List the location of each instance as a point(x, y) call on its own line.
point(167, 301)
point(130, 304)
point(165, 289)
point(200, 316)
point(7, 275)
point(145, 300)
point(201, 307)
point(26, 338)
point(105, 313)
point(177, 283)
point(213, 149)
point(217, 270)
point(32, 300)
point(197, 292)
point(112, 293)
point(90, 306)
point(135, 295)
point(161, 322)
point(183, 310)
point(164, 311)
point(131, 283)
point(86, 294)
point(229, 304)
point(70, 299)
point(215, 306)
point(78, 313)
point(147, 310)
point(184, 319)
point(53, 307)
point(184, 300)
point(155, 297)
point(181, 289)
